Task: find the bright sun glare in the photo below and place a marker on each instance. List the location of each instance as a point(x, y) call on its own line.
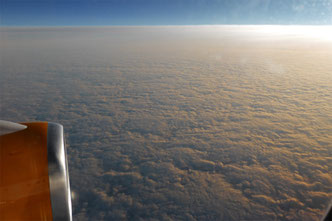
point(323, 33)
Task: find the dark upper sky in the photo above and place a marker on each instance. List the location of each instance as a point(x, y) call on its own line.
point(164, 12)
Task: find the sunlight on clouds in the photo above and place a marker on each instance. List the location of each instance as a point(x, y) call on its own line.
point(321, 33)
point(191, 123)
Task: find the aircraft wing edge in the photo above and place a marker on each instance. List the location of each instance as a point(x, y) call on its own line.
point(58, 173)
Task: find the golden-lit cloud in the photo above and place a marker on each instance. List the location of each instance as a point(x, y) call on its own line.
point(171, 123)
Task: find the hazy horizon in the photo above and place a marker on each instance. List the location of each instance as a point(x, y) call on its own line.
point(181, 25)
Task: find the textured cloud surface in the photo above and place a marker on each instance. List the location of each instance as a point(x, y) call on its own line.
point(181, 123)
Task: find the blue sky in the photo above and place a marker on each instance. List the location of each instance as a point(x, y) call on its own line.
point(164, 12)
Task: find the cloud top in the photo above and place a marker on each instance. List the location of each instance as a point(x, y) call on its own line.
point(171, 123)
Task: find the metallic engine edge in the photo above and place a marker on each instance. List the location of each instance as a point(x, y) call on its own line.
point(58, 174)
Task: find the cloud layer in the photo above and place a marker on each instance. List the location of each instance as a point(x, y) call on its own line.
point(180, 123)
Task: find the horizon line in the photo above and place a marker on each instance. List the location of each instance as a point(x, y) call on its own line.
point(162, 25)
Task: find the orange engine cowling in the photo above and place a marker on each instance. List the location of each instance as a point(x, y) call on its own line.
point(34, 180)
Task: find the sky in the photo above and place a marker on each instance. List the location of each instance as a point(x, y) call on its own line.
point(163, 12)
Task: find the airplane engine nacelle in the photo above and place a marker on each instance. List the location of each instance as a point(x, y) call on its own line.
point(34, 180)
